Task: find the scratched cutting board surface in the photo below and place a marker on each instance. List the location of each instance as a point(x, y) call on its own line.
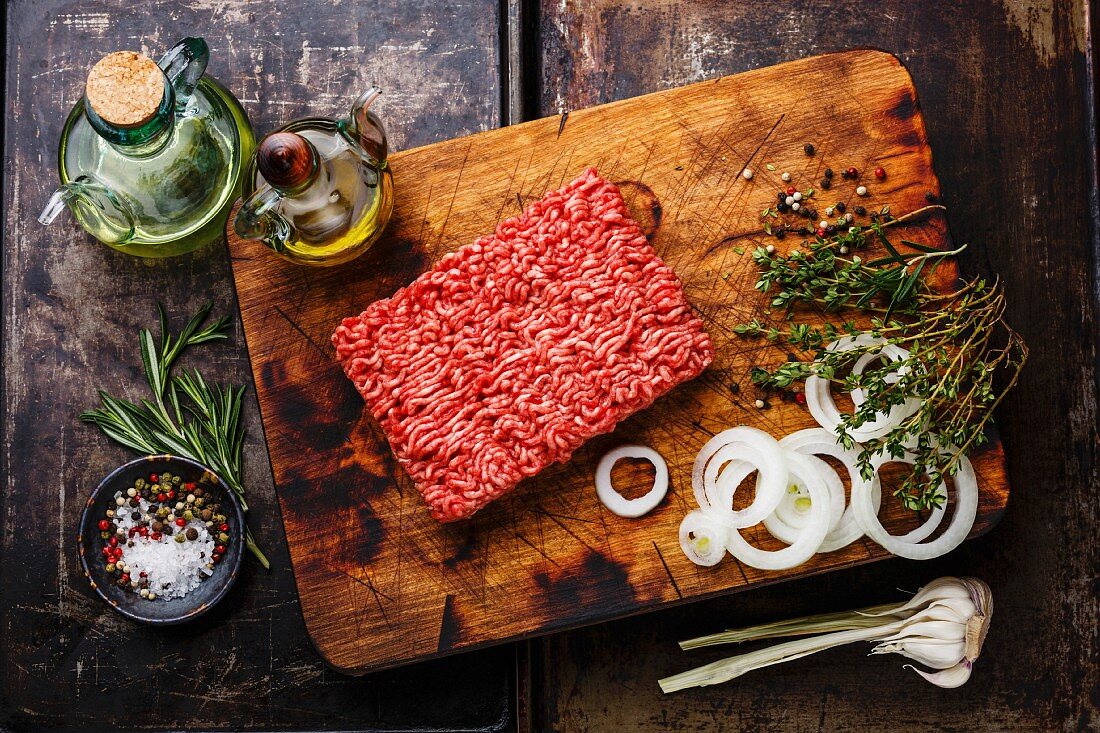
point(383, 584)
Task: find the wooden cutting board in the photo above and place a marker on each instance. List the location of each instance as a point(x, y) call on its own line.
point(383, 584)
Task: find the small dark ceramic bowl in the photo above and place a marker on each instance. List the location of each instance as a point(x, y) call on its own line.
point(160, 611)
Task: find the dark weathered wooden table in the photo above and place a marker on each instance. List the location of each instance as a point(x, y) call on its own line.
point(1008, 94)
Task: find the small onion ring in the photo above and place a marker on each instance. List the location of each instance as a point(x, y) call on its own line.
point(812, 534)
point(703, 537)
point(818, 441)
point(786, 523)
point(962, 520)
point(889, 351)
point(710, 478)
point(616, 502)
point(819, 398)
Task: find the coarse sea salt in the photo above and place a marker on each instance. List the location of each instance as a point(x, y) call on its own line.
point(173, 569)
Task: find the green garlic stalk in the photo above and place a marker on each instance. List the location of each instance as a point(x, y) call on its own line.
point(943, 627)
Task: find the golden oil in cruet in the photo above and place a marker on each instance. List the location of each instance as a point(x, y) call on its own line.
point(319, 191)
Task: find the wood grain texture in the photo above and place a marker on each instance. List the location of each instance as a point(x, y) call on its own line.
point(71, 313)
point(383, 583)
point(1004, 89)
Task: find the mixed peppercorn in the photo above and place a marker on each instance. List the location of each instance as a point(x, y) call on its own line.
point(154, 509)
point(791, 200)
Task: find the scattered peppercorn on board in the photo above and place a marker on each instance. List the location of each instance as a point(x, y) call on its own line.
point(381, 583)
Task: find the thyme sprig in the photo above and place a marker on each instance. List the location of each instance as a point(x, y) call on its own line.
point(187, 416)
point(962, 359)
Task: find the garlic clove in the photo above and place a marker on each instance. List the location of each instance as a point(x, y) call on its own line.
point(949, 678)
point(939, 589)
point(937, 655)
point(946, 630)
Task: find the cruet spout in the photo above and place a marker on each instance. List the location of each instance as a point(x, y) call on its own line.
point(94, 207)
point(366, 129)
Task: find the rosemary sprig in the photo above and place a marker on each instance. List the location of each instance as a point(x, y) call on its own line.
point(962, 360)
point(205, 426)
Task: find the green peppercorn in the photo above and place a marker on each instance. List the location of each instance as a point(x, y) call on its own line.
point(192, 533)
point(180, 538)
point(188, 515)
point(162, 512)
point(219, 517)
point(104, 535)
point(223, 537)
point(110, 568)
point(139, 484)
point(199, 502)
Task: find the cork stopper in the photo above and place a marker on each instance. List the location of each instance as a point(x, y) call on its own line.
point(125, 88)
point(286, 160)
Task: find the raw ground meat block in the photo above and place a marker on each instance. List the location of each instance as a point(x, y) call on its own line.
point(513, 351)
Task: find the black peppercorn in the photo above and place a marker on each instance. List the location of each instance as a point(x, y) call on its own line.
point(831, 229)
point(809, 148)
point(930, 197)
point(780, 233)
point(840, 206)
point(826, 184)
point(828, 172)
point(781, 195)
point(192, 533)
point(781, 207)
point(811, 213)
point(860, 210)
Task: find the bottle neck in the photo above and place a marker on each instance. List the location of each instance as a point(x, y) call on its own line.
point(143, 140)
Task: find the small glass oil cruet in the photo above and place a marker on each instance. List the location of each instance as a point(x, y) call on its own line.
point(319, 191)
point(151, 156)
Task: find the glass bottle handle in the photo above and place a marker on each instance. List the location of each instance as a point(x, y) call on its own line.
point(95, 207)
point(258, 219)
point(184, 65)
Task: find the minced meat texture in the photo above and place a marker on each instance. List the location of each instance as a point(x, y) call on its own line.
point(512, 351)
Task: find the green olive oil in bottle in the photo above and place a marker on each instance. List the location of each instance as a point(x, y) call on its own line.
point(151, 158)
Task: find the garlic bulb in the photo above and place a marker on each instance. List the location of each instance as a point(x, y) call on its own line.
point(943, 626)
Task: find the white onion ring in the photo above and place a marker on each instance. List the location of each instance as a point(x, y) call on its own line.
point(710, 480)
point(812, 534)
point(819, 398)
point(616, 502)
point(787, 522)
point(703, 538)
point(818, 441)
point(962, 520)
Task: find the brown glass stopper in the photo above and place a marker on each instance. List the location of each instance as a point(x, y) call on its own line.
point(125, 88)
point(286, 160)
